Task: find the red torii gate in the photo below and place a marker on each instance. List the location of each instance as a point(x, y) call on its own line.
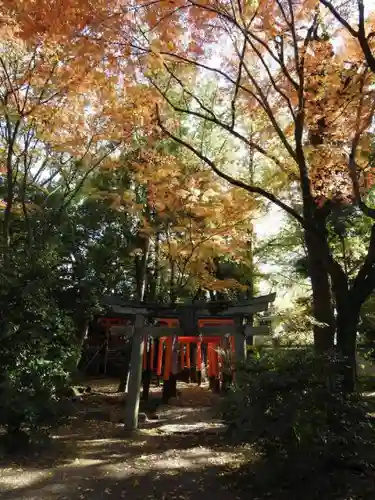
point(212, 342)
point(190, 327)
point(155, 365)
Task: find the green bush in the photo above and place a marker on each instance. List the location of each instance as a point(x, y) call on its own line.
point(30, 390)
point(289, 405)
point(38, 353)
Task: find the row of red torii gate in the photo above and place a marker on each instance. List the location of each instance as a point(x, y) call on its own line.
point(169, 340)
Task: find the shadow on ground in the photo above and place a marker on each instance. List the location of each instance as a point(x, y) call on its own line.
point(184, 455)
point(184, 467)
point(139, 466)
point(96, 482)
point(180, 456)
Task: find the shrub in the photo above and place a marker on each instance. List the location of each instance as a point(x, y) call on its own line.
point(289, 405)
point(30, 389)
point(37, 356)
point(294, 325)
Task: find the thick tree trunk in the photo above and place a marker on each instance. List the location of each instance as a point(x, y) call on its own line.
point(347, 326)
point(348, 307)
point(11, 135)
point(346, 322)
point(348, 304)
point(322, 297)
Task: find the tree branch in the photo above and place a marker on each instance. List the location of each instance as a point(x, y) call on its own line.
point(235, 182)
point(215, 120)
point(352, 165)
point(359, 34)
point(339, 17)
point(363, 40)
point(364, 282)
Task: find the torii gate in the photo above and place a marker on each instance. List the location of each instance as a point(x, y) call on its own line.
point(188, 316)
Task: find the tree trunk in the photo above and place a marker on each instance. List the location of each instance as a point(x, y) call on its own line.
point(348, 305)
point(7, 220)
point(142, 270)
point(322, 297)
point(11, 136)
point(172, 282)
point(154, 282)
point(347, 326)
point(82, 328)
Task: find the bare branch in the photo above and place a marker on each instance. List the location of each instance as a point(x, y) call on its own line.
point(239, 76)
point(364, 282)
point(339, 17)
point(271, 116)
point(270, 76)
point(363, 40)
point(214, 119)
point(231, 180)
point(359, 34)
point(352, 165)
point(82, 181)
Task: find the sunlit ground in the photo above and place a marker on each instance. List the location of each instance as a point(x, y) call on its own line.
point(182, 455)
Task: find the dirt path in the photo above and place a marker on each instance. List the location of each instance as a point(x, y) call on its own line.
point(180, 456)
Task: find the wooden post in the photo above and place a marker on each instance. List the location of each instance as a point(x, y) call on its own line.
point(106, 347)
point(124, 379)
point(193, 363)
point(147, 369)
point(132, 402)
point(239, 341)
point(170, 379)
point(174, 369)
point(199, 361)
point(250, 322)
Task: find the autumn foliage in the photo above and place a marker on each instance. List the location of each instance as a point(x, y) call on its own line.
point(284, 87)
point(291, 84)
point(186, 219)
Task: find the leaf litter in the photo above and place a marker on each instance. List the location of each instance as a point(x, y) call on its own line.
point(181, 456)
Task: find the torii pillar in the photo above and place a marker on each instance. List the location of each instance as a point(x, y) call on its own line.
point(135, 377)
point(240, 341)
